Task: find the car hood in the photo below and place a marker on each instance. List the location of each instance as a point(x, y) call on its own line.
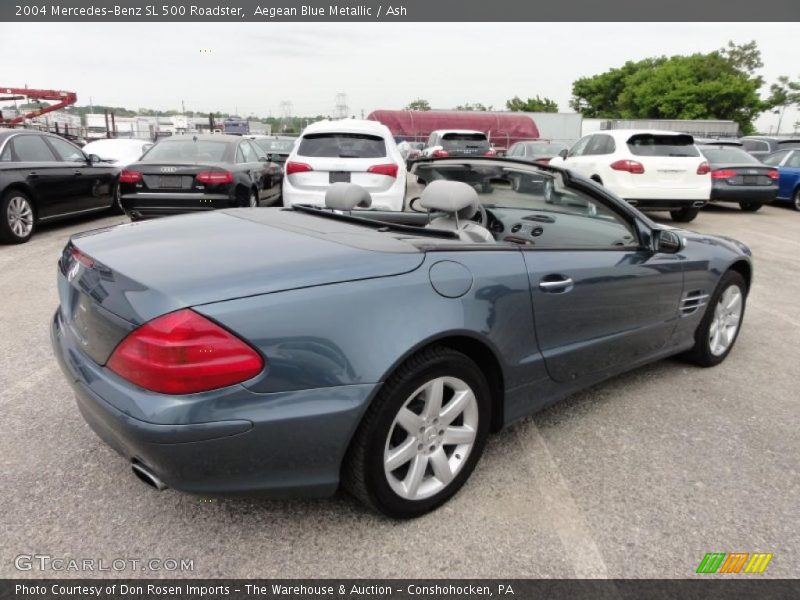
point(141, 270)
point(731, 244)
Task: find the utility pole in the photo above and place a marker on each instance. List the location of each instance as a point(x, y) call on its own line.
point(341, 109)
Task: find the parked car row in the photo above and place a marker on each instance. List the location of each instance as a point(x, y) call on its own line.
point(44, 177)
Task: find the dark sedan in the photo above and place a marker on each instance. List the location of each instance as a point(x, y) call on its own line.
point(194, 173)
point(231, 353)
point(536, 150)
point(43, 178)
point(736, 176)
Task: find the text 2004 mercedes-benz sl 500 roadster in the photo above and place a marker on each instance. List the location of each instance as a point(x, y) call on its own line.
point(288, 351)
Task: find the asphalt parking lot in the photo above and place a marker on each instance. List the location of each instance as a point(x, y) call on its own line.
point(637, 477)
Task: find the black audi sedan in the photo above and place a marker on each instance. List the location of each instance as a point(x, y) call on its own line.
point(736, 176)
point(44, 177)
point(193, 173)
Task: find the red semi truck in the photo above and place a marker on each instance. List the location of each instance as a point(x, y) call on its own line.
point(502, 129)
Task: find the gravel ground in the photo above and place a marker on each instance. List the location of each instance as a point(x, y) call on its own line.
point(637, 477)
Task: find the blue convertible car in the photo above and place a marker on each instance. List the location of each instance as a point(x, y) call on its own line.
point(288, 351)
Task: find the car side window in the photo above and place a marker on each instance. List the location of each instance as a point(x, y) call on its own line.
point(66, 151)
point(601, 144)
point(257, 150)
point(6, 155)
point(32, 148)
point(794, 160)
point(755, 145)
point(579, 149)
point(773, 160)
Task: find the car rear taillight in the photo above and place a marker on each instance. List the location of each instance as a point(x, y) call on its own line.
point(440, 154)
point(183, 353)
point(296, 167)
point(214, 177)
point(703, 168)
point(722, 174)
point(629, 166)
point(543, 161)
point(389, 170)
point(773, 174)
point(86, 260)
point(491, 152)
point(130, 176)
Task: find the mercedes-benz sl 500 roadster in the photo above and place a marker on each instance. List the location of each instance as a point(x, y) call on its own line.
point(291, 351)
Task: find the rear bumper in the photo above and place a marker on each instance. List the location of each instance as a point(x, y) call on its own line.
point(156, 204)
point(759, 194)
point(229, 441)
point(391, 199)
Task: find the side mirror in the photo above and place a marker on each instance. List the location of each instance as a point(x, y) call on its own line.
point(563, 154)
point(94, 159)
point(667, 241)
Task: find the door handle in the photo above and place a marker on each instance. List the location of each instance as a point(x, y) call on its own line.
point(564, 284)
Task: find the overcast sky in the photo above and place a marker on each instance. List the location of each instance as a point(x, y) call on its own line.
point(252, 67)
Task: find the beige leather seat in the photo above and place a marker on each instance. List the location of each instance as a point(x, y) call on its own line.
point(459, 201)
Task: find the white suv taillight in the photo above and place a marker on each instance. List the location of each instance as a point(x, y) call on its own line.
point(629, 166)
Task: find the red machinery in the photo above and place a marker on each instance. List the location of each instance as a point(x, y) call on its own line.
point(63, 98)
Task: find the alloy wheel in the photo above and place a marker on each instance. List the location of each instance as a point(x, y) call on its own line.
point(725, 323)
point(253, 200)
point(20, 216)
point(431, 438)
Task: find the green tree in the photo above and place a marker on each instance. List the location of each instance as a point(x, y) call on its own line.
point(537, 104)
point(418, 104)
point(783, 94)
point(719, 85)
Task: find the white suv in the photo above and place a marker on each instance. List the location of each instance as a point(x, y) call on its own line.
point(653, 170)
point(360, 152)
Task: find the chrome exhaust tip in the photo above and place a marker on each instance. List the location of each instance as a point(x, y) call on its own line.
point(147, 476)
point(699, 204)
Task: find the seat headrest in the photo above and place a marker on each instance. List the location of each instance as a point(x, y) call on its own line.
point(347, 196)
point(455, 197)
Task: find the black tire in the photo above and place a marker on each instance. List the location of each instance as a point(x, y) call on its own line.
point(750, 206)
point(116, 205)
point(363, 473)
point(684, 215)
point(701, 354)
point(254, 195)
point(796, 199)
point(7, 234)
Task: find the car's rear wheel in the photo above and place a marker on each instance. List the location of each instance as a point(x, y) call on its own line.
point(796, 200)
point(684, 215)
point(422, 435)
point(719, 328)
point(750, 206)
point(116, 207)
point(253, 199)
point(17, 218)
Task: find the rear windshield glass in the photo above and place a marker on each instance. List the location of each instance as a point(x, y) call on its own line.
point(648, 144)
point(278, 146)
point(546, 149)
point(342, 145)
point(464, 137)
point(729, 155)
point(186, 151)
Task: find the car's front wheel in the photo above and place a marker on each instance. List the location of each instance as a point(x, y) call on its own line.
point(421, 436)
point(16, 217)
point(717, 332)
point(750, 206)
point(684, 215)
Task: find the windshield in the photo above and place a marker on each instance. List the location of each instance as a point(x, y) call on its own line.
point(342, 145)
point(648, 144)
point(275, 146)
point(186, 151)
point(545, 149)
point(729, 155)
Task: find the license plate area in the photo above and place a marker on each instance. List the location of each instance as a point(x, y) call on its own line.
point(750, 180)
point(171, 181)
point(339, 177)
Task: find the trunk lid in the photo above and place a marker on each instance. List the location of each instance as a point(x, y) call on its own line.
point(112, 280)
